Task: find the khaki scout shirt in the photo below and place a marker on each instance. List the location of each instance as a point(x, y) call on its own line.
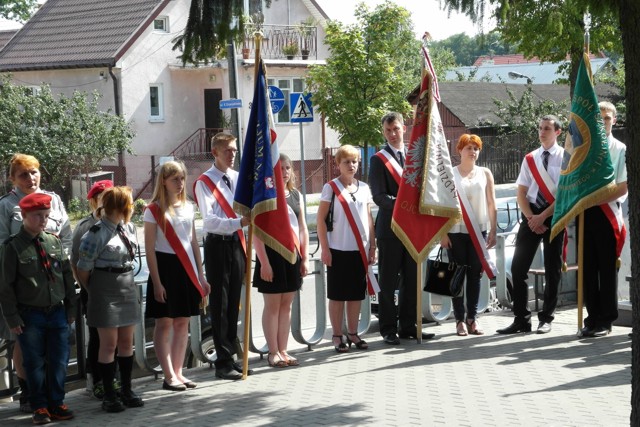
point(24, 282)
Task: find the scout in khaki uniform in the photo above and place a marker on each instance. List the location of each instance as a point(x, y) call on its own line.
point(37, 294)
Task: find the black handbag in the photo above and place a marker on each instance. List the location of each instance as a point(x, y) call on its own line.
point(328, 220)
point(445, 278)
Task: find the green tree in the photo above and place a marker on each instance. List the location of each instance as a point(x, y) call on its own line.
point(467, 49)
point(366, 74)
point(68, 135)
point(19, 10)
point(627, 15)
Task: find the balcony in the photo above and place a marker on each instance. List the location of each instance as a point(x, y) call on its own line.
point(280, 42)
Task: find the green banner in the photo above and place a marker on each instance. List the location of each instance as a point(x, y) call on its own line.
point(587, 178)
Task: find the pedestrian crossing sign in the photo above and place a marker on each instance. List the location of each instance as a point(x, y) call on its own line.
point(301, 108)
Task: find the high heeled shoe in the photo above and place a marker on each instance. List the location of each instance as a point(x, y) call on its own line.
point(360, 344)
point(342, 347)
point(474, 327)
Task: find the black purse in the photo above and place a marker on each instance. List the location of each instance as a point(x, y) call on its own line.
point(328, 220)
point(445, 278)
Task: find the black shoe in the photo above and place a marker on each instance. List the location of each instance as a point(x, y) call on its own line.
point(391, 339)
point(601, 331)
point(112, 404)
point(177, 387)
point(41, 416)
point(544, 328)
point(515, 327)
point(587, 332)
point(238, 368)
point(130, 399)
point(228, 373)
point(412, 335)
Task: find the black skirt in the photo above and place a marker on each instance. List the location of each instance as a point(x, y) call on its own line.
point(182, 300)
point(346, 278)
point(286, 276)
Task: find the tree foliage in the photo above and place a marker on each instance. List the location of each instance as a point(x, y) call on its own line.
point(18, 10)
point(373, 65)
point(68, 135)
point(467, 49)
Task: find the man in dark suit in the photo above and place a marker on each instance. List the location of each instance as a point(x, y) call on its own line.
point(396, 268)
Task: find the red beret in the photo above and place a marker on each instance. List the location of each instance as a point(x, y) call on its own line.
point(35, 202)
point(99, 187)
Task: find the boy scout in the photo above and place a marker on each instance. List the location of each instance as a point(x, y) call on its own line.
point(38, 296)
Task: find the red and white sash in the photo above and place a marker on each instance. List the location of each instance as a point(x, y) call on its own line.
point(295, 226)
point(614, 214)
point(359, 233)
point(224, 204)
point(543, 179)
point(473, 227)
point(392, 165)
point(182, 247)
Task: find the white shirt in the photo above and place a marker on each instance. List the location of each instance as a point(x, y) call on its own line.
point(214, 219)
point(525, 178)
point(341, 238)
point(618, 153)
point(182, 222)
point(475, 189)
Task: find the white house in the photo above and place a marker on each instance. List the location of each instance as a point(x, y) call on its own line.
point(123, 50)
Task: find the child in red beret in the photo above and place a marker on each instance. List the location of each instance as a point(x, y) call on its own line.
point(37, 294)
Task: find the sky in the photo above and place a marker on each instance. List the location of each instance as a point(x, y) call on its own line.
point(426, 15)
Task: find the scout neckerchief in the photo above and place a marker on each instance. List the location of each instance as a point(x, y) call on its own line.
point(392, 165)
point(471, 222)
point(359, 233)
point(224, 204)
point(181, 246)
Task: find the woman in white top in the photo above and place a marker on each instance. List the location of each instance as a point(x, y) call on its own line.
point(346, 274)
point(477, 186)
point(172, 297)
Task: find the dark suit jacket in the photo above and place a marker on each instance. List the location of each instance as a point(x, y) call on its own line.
point(384, 190)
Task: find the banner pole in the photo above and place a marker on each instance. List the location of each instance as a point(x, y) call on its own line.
point(580, 291)
point(418, 303)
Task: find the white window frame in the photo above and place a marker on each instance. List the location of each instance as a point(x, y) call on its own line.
point(159, 117)
point(292, 87)
point(165, 21)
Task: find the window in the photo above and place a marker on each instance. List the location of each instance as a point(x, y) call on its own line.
point(287, 85)
point(156, 103)
point(161, 24)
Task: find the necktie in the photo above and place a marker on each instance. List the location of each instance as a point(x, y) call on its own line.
point(44, 259)
point(126, 241)
point(227, 181)
point(401, 158)
point(541, 202)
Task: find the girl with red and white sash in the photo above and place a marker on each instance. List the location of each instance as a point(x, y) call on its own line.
point(474, 183)
point(277, 279)
point(342, 250)
point(176, 284)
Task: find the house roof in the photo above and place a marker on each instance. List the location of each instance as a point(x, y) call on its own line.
point(472, 102)
point(540, 73)
point(5, 36)
point(78, 33)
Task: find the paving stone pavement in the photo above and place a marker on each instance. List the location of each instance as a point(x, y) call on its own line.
point(492, 380)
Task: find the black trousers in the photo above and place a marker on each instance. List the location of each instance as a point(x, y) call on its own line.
point(396, 270)
point(600, 278)
point(225, 263)
point(463, 252)
point(527, 243)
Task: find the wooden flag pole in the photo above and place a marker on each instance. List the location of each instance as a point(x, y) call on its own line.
point(419, 303)
point(580, 292)
point(247, 274)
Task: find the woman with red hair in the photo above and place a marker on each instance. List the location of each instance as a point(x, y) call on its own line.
point(476, 192)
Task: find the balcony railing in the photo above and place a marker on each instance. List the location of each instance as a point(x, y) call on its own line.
point(278, 38)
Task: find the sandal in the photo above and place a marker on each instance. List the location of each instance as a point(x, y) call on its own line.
point(474, 327)
point(461, 328)
point(360, 344)
point(340, 348)
point(271, 359)
point(289, 360)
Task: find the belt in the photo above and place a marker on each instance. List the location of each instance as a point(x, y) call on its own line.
point(48, 309)
point(118, 270)
point(230, 238)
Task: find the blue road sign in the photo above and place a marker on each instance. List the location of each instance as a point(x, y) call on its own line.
point(277, 99)
point(301, 108)
point(230, 103)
